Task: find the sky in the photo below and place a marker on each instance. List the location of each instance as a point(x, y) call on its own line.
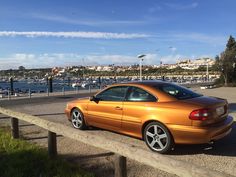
point(48, 33)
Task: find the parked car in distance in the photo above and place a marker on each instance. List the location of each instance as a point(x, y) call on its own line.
point(161, 113)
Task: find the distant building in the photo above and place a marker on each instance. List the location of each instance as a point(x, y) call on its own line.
point(172, 66)
point(195, 64)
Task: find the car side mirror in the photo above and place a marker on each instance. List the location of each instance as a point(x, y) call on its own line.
point(93, 98)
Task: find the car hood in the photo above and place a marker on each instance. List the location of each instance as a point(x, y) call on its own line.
point(81, 100)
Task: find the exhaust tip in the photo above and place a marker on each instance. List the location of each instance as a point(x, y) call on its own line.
point(211, 142)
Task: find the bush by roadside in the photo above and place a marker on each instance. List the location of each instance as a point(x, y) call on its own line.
point(19, 158)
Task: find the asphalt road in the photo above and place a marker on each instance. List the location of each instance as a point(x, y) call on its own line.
point(221, 156)
point(42, 100)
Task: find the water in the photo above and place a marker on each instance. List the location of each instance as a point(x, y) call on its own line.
point(40, 87)
point(36, 87)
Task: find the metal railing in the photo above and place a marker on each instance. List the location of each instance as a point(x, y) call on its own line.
point(30, 94)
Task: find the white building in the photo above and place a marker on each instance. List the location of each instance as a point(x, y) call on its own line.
point(195, 64)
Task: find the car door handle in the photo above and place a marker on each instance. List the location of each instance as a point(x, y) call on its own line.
point(118, 108)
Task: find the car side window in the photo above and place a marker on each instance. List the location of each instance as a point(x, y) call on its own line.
point(113, 94)
point(140, 95)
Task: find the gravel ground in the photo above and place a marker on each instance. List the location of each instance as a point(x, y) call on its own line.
point(221, 156)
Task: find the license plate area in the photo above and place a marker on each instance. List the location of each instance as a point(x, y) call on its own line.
point(220, 110)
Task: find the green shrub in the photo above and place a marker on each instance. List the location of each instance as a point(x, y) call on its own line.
point(19, 158)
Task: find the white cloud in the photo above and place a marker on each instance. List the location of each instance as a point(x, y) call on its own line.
point(207, 56)
point(154, 9)
point(172, 58)
point(36, 61)
point(110, 59)
point(199, 37)
point(46, 60)
point(88, 22)
point(73, 34)
point(210, 39)
point(173, 49)
point(149, 59)
point(178, 6)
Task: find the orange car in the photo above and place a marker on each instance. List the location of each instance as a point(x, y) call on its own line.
point(160, 113)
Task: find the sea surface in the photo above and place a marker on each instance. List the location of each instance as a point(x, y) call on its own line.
point(36, 87)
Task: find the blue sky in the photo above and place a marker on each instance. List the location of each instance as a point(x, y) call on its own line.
point(49, 33)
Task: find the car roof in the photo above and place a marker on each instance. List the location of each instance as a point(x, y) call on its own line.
point(145, 82)
point(148, 86)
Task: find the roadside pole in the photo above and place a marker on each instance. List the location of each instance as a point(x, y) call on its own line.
point(29, 93)
point(63, 90)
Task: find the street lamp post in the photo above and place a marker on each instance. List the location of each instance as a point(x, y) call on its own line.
point(83, 67)
point(140, 65)
point(207, 71)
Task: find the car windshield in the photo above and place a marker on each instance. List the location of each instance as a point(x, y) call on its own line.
point(181, 93)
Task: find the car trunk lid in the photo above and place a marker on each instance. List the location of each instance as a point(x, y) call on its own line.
point(217, 108)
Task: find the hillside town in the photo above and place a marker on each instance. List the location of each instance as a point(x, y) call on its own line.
point(182, 67)
point(184, 71)
point(186, 64)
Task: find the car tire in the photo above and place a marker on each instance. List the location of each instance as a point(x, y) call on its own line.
point(77, 119)
point(158, 138)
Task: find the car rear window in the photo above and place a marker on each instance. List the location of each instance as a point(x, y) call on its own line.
point(179, 92)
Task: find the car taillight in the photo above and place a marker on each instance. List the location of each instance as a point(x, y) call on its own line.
point(199, 114)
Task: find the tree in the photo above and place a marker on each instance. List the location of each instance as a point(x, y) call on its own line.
point(231, 45)
point(201, 68)
point(226, 62)
point(21, 68)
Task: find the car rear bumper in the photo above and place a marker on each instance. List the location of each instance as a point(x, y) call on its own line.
point(199, 135)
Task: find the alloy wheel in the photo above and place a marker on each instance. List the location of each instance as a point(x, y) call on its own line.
point(158, 138)
point(77, 119)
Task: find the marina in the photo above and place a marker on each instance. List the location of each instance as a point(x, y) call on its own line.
point(23, 87)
